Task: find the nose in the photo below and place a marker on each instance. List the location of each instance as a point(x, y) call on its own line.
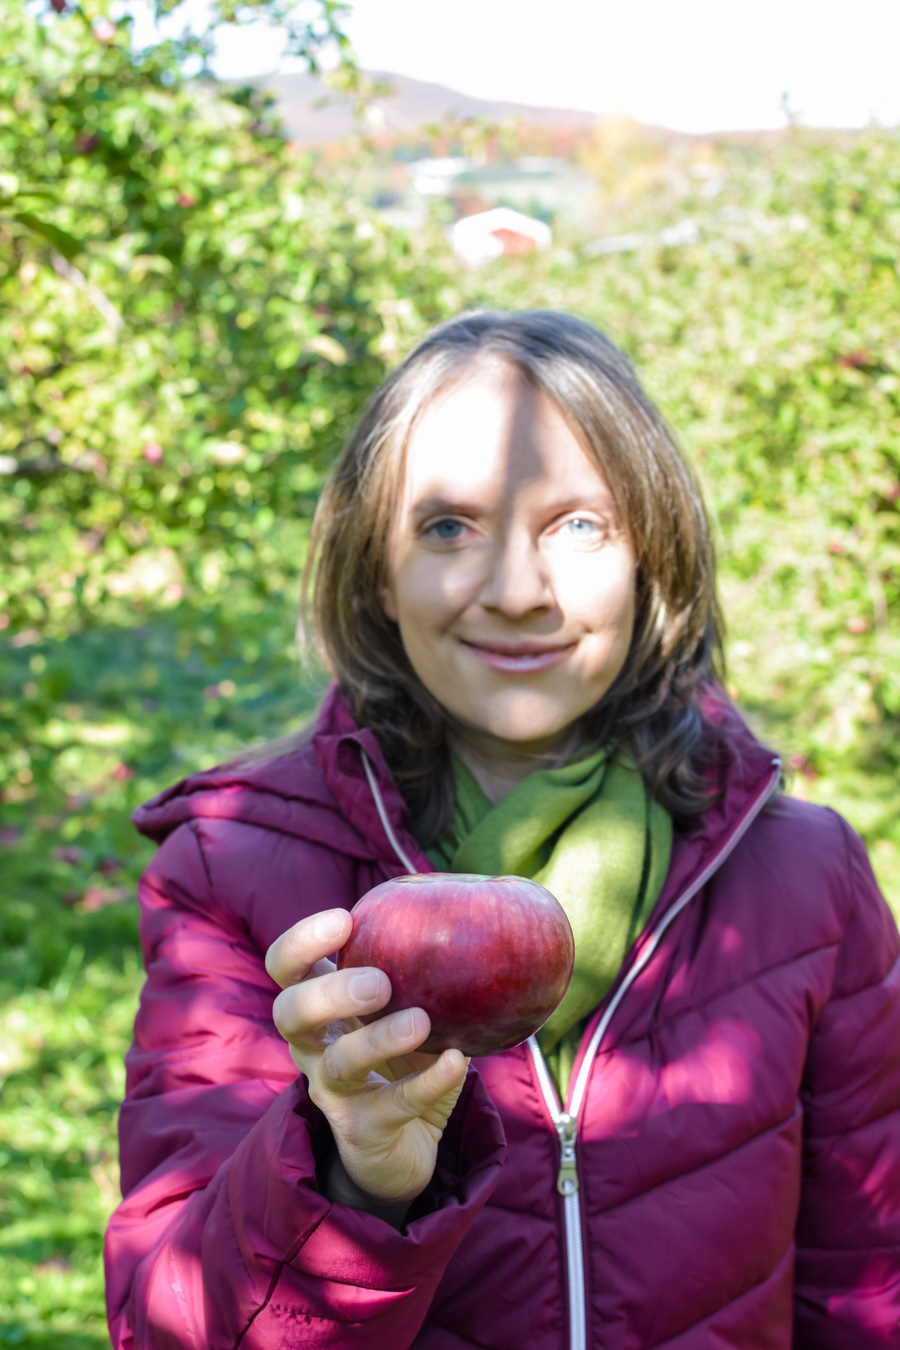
point(518, 581)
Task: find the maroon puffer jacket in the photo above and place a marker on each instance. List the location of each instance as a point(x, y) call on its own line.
point(735, 1174)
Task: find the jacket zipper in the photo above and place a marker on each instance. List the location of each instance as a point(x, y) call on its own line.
point(565, 1122)
point(383, 815)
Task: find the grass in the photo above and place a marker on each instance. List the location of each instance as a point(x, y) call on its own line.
point(107, 717)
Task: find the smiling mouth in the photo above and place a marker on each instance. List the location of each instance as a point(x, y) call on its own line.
point(519, 657)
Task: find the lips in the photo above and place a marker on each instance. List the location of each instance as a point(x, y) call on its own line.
point(518, 658)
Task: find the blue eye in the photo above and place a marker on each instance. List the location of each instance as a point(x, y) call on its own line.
point(578, 532)
point(446, 529)
point(580, 528)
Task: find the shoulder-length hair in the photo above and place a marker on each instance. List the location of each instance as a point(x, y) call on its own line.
point(652, 712)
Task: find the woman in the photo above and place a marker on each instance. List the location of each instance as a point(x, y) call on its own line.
point(514, 591)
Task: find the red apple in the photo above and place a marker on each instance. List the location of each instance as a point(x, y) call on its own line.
point(488, 958)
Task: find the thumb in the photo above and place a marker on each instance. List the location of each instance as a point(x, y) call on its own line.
point(431, 1094)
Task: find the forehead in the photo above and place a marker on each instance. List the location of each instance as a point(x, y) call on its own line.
point(491, 429)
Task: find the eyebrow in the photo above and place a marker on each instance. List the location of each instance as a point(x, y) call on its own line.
point(436, 506)
point(454, 506)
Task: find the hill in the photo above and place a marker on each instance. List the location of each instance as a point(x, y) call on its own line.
point(314, 114)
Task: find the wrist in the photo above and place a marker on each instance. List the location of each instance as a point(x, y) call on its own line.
point(343, 1190)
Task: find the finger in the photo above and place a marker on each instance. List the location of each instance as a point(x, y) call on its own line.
point(303, 1012)
point(349, 1061)
point(431, 1094)
point(292, 956)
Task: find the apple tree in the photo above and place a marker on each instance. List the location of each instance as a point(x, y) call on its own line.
point(191, 315)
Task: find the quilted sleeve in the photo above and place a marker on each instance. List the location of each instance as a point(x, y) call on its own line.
point(847, 1283)
point(223, 1238)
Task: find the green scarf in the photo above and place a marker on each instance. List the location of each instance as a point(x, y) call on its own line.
point(592, 834)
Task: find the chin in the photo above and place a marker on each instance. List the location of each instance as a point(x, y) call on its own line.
point(542, 733)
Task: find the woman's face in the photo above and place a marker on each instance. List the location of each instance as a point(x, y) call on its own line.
point(511, 576)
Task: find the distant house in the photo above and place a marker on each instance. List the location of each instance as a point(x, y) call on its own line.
point(435, 177)
point(490, 234)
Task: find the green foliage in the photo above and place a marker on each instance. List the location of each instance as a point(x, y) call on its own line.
point(62, 1065)
point(106, 716)
point(180, 381)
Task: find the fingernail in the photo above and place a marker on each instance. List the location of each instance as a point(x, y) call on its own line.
point(403, 1024)
point(329, 925)
point(364, 986)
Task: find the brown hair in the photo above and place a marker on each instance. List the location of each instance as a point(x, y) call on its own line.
point(652, 711)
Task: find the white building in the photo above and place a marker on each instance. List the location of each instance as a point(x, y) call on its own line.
point(490, 234)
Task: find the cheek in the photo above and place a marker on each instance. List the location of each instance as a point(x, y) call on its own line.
point(414, 604)
point(625, 615)
point(426, 592)
point(626, 627)
point(624, 598)
point(599, 591)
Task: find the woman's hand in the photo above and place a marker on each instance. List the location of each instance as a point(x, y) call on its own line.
point(387, 1106)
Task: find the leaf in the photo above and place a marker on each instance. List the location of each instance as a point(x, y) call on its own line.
point(329, 347)
point(61, 240)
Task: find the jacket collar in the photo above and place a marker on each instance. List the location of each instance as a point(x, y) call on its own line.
point(325, 776)
point(741, 770)
point(342, 748)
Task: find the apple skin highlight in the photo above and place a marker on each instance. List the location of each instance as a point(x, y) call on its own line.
point(488, 958)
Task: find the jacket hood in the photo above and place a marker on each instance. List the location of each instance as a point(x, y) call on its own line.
point(318, 789)
point(743, 774)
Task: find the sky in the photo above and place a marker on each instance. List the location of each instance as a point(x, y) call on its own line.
point(693, 65)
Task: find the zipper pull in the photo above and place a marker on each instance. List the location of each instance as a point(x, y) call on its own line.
point(567, 1181)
